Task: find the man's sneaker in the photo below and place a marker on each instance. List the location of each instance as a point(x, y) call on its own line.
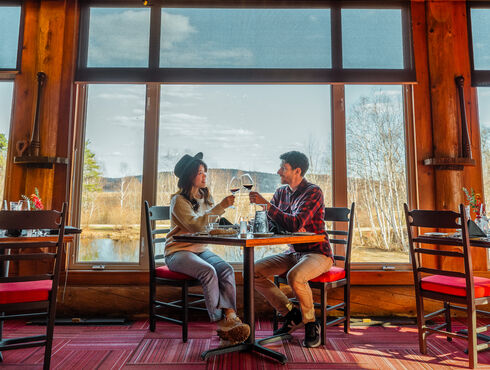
point(233, 331)
point(292, 321)
point(312, 334)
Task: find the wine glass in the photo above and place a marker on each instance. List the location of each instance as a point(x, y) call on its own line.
point(248, 184)
point(234, 186)
point(247, 181)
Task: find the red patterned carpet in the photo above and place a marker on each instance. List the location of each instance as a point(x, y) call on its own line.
point(134, 347)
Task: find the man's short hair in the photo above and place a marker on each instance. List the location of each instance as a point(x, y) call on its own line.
point(296, 160)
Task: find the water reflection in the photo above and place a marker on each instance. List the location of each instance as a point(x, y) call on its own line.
point(110, 250)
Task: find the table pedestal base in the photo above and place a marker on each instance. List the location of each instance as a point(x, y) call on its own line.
point(251, 347)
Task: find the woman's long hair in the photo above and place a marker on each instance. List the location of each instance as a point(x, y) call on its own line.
point(185, 184)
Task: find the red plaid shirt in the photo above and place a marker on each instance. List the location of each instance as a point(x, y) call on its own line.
point(302, 208)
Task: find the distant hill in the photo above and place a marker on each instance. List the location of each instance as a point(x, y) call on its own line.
point(265, 182)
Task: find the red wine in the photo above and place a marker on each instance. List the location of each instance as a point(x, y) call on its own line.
point(248, 186)
point(234, 190)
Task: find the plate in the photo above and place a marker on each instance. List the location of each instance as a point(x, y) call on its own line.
point(299, 233)
point(435, 234)
point(263, 234)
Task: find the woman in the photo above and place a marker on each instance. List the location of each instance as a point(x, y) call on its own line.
point(189, 211)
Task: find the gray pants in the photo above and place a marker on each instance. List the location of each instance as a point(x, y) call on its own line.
point(216, 276)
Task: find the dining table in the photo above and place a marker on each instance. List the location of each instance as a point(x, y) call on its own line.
point(4, 267)
point(249, 243)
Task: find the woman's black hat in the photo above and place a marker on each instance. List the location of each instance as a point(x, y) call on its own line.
point(184, 163)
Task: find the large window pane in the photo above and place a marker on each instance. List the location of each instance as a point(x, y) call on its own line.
point(372, 38)
point(484, 118)
point(376, 172)
point(246, 38)
point(6, 89)
point(113, 158)
point(9, 36)
point(118, 37)
point(244, 128)
point(480, 29)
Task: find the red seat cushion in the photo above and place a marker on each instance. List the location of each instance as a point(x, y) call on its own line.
point(25, 291)
point(166, 273)
point(334, 274)
point(455, 286)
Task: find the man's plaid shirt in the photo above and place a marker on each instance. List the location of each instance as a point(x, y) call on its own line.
point(302, 208)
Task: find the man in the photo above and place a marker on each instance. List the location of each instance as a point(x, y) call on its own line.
point(297, 206)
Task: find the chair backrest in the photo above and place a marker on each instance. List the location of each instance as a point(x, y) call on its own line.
point(455, 221)
point(153, 214)
point(341, 237)
point(47, 250)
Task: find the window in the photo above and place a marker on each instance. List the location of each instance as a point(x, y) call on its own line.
point(243, 85)
point(6, 90)
point(479, 32)
point(9, 37)
point(112, 171)
point(372, 38)
point(484, 118)
point(246, 38)
point(244, 129)
point(118, 37)
point(376, 172)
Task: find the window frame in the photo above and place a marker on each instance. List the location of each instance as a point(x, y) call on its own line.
point(19, 41)
point(480, 77)
point(153, 76)
point(336, 74)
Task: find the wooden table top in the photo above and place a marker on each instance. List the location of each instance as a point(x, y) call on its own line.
point(35, 239)
point(250, 241)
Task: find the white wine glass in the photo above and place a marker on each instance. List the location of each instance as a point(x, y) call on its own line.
point(234, 186)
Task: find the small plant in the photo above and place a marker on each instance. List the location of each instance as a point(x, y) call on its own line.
point(35, 202)
point(474, 201)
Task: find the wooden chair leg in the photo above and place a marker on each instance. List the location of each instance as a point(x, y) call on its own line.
point(152, 309)
point(1, 333)
point(347, 308)
point(447, 314)
point(323, 313)
point(185, 311)
point(49, 334)
point(421, 325)
point(472, 342)
point(275, 318)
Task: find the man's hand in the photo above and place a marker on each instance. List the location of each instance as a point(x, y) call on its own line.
point(227, 201)
point(257, 198)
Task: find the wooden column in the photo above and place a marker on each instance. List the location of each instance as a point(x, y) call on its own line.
point(447, 56)
point(49, 45)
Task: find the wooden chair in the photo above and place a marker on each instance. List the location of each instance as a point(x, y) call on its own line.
point(448, 287)
point(31, 294)
point(337, 276)
point(164, 277)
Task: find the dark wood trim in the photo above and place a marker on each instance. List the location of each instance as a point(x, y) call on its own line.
point(244, 75)
point(155, 32)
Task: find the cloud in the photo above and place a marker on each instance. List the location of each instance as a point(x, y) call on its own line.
point(175, 28)
point(119, 38)
point(237, 57)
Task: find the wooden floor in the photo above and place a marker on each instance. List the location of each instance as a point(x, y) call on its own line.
point(133, 346)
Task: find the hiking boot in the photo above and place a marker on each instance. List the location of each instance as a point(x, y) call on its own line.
point(312, 335)
point(292, 321)
point(232, 331)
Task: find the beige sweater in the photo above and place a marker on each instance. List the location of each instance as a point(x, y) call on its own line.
point(183, 220)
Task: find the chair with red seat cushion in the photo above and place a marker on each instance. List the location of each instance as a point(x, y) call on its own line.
point(164, 277)
point(340, 238)
point(452, 288)
point(27, 296)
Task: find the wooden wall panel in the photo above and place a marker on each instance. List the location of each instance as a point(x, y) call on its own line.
point(49, 46)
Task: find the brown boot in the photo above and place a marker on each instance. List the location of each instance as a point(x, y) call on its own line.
point(232, 330)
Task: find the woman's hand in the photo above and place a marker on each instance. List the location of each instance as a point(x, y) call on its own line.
point(227, 201)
